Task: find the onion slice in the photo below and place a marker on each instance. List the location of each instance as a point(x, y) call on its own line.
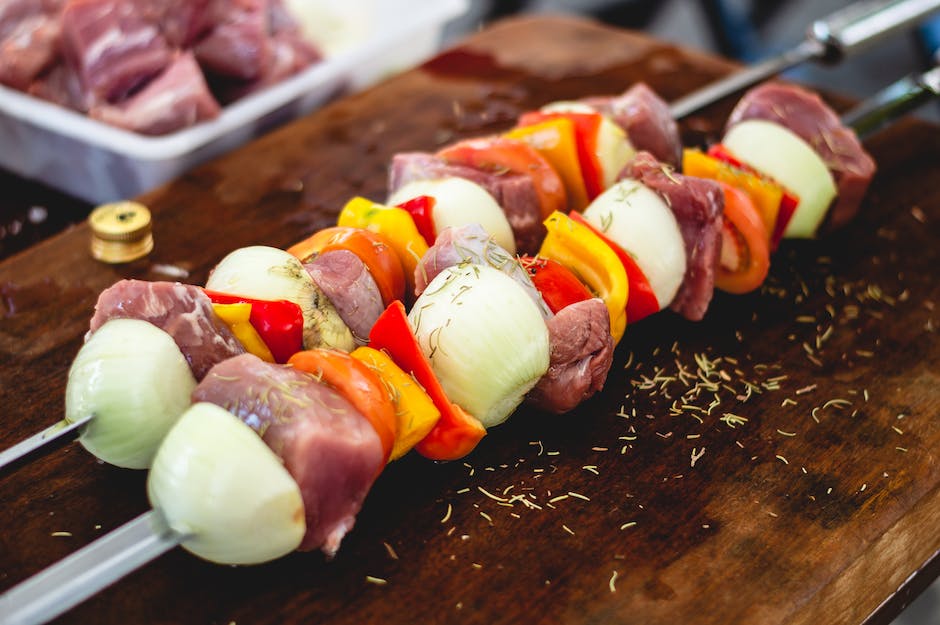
point(215, 480)
point(485, 338)
point(787, 159)
point(642, 224)
point(135, 381)
point(459, 202)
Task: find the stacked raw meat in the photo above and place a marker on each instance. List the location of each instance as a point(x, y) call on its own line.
point(151, 66)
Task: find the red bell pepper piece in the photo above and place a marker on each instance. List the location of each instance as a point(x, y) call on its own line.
point(722, 154)
point(788, 202)
point(557, 284)
point(641, 302)
point(420, 208)
point(457, 432)
point(280, 323)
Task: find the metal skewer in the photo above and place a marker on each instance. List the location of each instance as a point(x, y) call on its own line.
point(61, 432)
point(829, 39)
point(893, 101)
point(89, 570)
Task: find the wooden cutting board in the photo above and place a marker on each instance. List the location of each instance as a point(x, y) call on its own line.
point(774, 464)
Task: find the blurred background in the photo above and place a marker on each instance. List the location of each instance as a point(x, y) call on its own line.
point(747, 30)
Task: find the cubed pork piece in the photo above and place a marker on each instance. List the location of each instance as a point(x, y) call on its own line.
point(582, 351)
point(176, 99)
point(471, 244)
point(346, 281)
point(289, 54)
point(515, 193)
point(61, 85)
point(14, 12)
point(292, 50)
point(806, 115)
point(30, 32)
point(698, 205)
point(239, 43)
point(29, 49)
point(113, 48)
point(280, 18)
point(327, 446)
point(181, 22)
point(183, 311)
point(646, 119)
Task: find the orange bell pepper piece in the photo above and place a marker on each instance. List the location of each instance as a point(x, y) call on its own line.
point(586, 128)
point(765, 194)
point(745, 251)
point(502, 154)
point(371, 248)
point(358, 384)
point(555, 140)
point(415, 412)
point(396, 225)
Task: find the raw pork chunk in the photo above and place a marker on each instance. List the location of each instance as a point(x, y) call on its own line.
point(329, 448)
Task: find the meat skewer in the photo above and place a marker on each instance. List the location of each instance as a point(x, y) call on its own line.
point(60, 587)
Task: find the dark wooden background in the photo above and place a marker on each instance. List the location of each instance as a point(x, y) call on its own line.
point(639, 507)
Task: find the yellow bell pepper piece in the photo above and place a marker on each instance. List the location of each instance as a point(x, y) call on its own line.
point(764, 193)
point(236, 317)
point(554, 139)
point(414, 410)
point(576, 247)
point(395, 224)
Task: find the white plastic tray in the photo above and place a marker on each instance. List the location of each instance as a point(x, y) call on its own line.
point(100, 163)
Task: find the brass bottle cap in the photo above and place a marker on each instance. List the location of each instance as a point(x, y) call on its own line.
point(120, 232)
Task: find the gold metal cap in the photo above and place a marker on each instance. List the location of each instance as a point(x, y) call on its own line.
point(121, 232)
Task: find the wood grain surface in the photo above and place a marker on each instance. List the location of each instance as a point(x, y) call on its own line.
point(31, 212)
point(773, 464)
